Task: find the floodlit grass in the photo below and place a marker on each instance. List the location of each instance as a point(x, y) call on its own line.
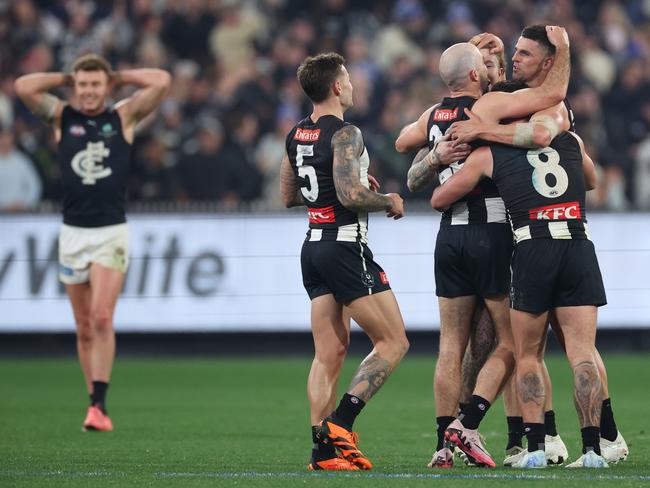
point(244, 422)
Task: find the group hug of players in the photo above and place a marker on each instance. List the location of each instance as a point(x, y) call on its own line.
point(512, 255)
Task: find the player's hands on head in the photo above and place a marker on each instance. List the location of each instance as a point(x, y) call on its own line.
point(465, 131)
point(487, 40)
point(396, 211)
point(557, 36)
point(374, 183)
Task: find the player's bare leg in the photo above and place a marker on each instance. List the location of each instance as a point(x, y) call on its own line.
point(379, 316)
point(331, 333)
point(529, 332)
point(579, 328)
point(481, 344)
point(493, 376)
point(80, 296)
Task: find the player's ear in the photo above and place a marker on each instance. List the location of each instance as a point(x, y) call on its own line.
point(473, 75)
point(548, 62)
point(336, 87)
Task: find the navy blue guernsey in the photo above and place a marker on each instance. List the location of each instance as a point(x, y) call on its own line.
point(543, 189)
point(309, 148)
point(483, 204)
point(94, 160)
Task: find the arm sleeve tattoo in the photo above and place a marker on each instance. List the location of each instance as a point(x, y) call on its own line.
point(424, 169)
point(347, 145)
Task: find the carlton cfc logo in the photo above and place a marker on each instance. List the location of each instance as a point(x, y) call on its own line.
point(87, 163)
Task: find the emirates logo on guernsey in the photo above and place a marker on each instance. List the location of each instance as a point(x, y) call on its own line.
point(307, 135)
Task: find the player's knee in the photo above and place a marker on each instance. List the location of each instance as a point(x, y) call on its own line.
point(101, 319)
point(402, 345)
point(84, 332)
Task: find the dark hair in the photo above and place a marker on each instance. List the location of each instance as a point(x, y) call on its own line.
point(92, 62)
point(537, 33)
point(509, 86)
point(317, 73)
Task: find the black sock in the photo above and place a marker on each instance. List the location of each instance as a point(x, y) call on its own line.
point(590, 439)
point(535, 435)
point(441, 425)
point(549, 423)
point(347, 411)
point(98, 396)
point(608, 429)
point(461, 408)
point(515, 431)
point(320, 451)
point(475, 411)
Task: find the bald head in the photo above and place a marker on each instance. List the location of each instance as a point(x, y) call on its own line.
point(457, 62)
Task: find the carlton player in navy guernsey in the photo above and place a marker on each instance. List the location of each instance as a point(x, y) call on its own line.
point(474, 242)
point(94, 152)
point(554, 268)
point(326, 169)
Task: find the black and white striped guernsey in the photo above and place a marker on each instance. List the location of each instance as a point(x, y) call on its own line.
point(543, 189)
point(309, 148)
point(483, 205)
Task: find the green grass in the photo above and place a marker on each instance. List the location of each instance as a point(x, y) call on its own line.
point(244, 422)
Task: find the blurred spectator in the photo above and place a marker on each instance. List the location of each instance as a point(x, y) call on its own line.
point(20, 185)
point(234, 62)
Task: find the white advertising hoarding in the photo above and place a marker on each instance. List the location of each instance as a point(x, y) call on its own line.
point(202, 272)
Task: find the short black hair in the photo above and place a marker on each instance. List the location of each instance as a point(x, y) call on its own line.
point(509, 86)
point(317, 73)
point(538, 33)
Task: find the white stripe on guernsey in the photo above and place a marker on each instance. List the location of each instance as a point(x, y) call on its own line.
point(459, 214)
point(584, 224)
point(350, 232)
point(496, 210)
point(522, 233)
point(559, 230)
point(363, 263)
point(364, 162)
point(316, 235)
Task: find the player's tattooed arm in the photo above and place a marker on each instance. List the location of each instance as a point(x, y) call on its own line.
point(289, 188)
point(371, 375)
point(424, 168)
point(33, 90)
point(347, 145)
point(587, 393)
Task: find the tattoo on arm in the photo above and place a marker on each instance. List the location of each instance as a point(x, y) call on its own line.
point(46, 107)
point(587, 394)
point(371, 375)
point(347, 145)
point(423, 170)
point(289, 187)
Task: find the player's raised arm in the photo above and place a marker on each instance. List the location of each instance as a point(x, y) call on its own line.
point(33, 90)
point(496, 106)
point(153, 84)
point(347, 146)
point(414, 135)
point(477, 166)
point(289, 187)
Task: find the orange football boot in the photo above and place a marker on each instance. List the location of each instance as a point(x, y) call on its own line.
point(333, 464)
point(97, 420)
point(346, 443)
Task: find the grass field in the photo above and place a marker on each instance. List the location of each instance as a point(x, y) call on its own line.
point(244, 422)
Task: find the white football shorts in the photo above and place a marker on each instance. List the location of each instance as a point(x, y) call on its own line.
point(81, 246)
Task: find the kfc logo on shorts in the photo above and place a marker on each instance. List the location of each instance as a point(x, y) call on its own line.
point(562, 211)
point(322, 215)
point(307, 135)
point(445, 114)
point(77, 130)
point(383, 278)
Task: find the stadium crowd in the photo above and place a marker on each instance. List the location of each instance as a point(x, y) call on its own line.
point(219, 135)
